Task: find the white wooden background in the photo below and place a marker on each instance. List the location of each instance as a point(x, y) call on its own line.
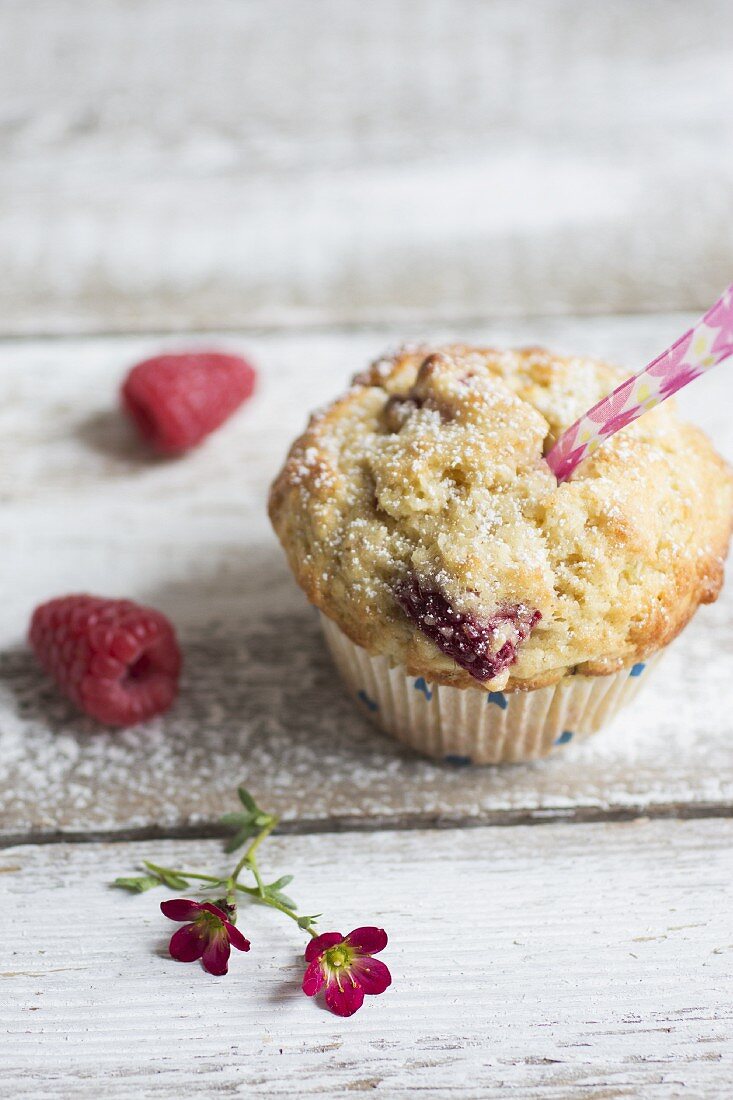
point(311, 183)
point(559, 957)
point(274, 161)
point(584, 961)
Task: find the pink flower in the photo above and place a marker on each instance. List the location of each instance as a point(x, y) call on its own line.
point(565, 461)
point(721, 316)
point(208, 937)
point(611, 406)
point(346, 967)
point(669, 361)
point(616, 423)
point(564, 456)
point(672, 385)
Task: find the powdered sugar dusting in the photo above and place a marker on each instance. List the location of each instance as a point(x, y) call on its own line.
point(261, 705)
point(430, 471)
point(260, 700)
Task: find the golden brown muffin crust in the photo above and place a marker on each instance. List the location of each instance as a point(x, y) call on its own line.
point(431, 467)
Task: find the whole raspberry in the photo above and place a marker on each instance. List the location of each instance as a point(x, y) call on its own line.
point(118, 661)
point(177, 400)
point(484, 647)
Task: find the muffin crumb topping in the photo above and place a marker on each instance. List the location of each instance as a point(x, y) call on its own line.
point(418, 513)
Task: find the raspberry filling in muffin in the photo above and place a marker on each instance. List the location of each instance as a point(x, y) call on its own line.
point(483, 647)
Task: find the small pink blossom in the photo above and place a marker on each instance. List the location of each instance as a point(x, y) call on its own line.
point(721, 317)
point(612, 405)
point(567, 439)
point(563, 457)
point(668, 361)
point(563, 464)
point(672, 385)
point(345, 965)
point(208, 936)
point(616, 423)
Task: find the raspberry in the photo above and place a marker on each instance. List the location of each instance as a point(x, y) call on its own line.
point(118, 661)
point(177, 400)
point(471, 642)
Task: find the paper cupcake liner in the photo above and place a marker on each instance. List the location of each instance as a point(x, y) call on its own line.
point(472, 726)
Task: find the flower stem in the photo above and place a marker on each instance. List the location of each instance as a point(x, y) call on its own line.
point(248, 859)
point(258, 892)
point(196, 875)
point(254, 893)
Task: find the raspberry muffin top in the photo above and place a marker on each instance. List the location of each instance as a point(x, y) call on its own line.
point(417, 513)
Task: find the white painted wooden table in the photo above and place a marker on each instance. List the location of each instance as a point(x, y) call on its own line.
point(273, 161)
point(559, 930)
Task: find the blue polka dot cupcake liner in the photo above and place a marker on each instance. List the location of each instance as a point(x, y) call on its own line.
point(472, 726)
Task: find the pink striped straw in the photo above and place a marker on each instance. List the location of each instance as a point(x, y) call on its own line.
point(704, 346)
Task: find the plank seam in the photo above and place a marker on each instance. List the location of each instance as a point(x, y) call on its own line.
point(581, 815)
point(343, 327)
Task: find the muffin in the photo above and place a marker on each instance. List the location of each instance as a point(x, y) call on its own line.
point(477, 609)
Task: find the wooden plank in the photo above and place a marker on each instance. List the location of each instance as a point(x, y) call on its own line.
point(84, 508)
point(270, 161)
point(551, 962)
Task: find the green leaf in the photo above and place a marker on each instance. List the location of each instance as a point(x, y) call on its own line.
point(283, 899)
point(303, 922)
point(171, 878)
point(138, 884)
point(279, 883)
point(235, 820)
point(247, 800)
point(239, 838)
point(244, 828)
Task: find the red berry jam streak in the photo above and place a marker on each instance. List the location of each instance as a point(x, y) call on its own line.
point(471, 642)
